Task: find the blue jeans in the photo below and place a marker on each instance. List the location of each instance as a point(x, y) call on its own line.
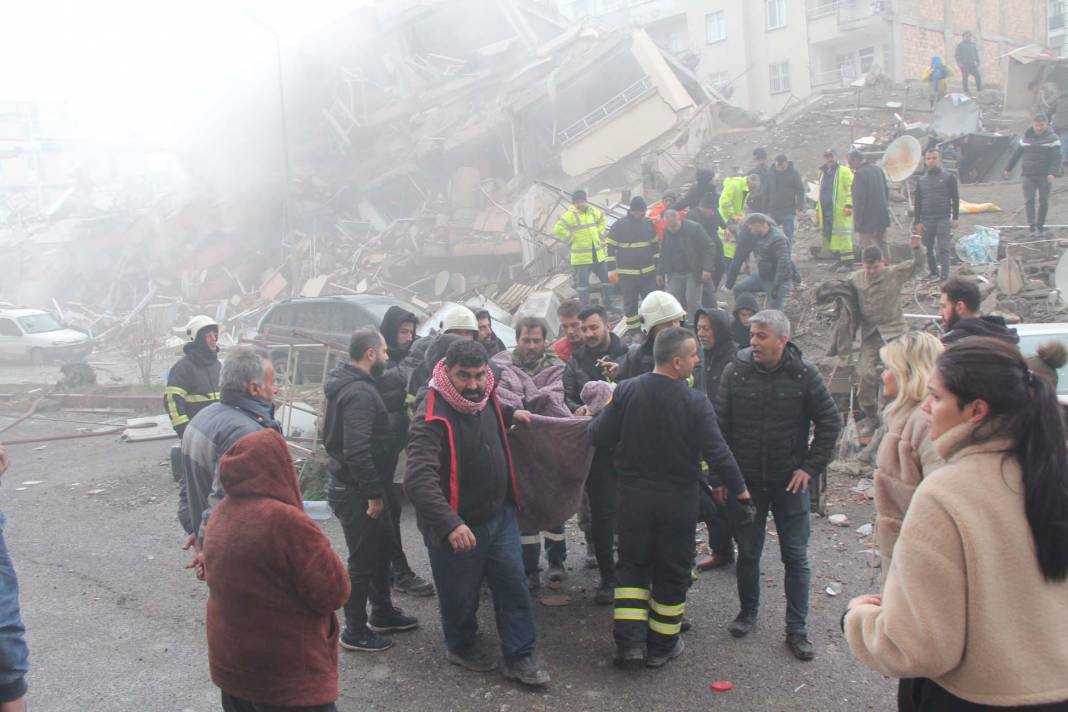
point(582, 282)
point(497, 558)
point(755, 283)
point(793, 526)
point(14, 655)
point(555, 548)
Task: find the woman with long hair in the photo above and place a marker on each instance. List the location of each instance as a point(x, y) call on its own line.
point(906, 453)
point(974, 612)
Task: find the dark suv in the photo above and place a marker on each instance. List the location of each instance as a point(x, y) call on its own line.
point(332, 320)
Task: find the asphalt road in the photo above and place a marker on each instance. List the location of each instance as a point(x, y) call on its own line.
point(116, 624)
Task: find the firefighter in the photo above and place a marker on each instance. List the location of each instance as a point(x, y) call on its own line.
point(582, 228)
point(632, 255)
point(660, 429)
point(193, 382)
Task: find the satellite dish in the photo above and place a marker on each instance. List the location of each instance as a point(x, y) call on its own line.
point(902, 158)
point(441, 282)
point(458, 283)
point(1060, 276)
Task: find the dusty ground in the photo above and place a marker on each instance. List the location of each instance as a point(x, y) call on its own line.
point(117, 625)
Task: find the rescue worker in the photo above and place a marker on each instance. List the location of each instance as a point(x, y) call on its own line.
point(871, 206)
point(759, 234)
point(659, 311)
point(486, 337)
point(835, 214)
point(935, 210)
point(705, 183)
point(398, 329)
point(582, 228)
point(632, 254)
point(193, 382)
point(745, 306)
point(732, 207)
point(656, 213)
point(1040, 149)
point(660, 430)
point(460, 321)
point(712, 328)
point(689, 258)
point(592, 363)
point(879, 290)
point(570, 329)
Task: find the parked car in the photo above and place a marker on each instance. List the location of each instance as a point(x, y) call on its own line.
point(305, 322)
point(1034, 335)
point(36, 336)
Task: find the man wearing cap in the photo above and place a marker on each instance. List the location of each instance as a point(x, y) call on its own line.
point(835, 215)
point(871, 207)
point(193, 382)
point(632, 253)
point(582, 228)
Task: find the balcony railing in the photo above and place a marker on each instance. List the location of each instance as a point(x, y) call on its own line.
point(634, 93)
point(840, 77)
point(848, 12)
point(822, 8)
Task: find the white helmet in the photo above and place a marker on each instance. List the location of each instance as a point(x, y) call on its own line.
point(659, 308)
point(460, 319)
point(200, 321)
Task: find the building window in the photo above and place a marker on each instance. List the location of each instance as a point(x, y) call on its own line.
point(776, 14)
point(867, 59)
point(719, 79)
point(715, 26)
point(780, 77)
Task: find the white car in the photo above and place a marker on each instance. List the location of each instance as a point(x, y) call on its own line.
point(1034, 335)
point(36, 336)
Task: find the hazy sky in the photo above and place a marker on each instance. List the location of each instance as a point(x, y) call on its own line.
point(141, 68)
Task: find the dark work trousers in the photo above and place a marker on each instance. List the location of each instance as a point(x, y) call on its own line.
point(601, 487)
point(458, 576)
point(398, 562)
point(973, 70)
point(555, 548)
point(236, 704)
point(634, 288)
point(922, 695)
point(720, 533)
point(656, 523)
point(582, 282)
point(368, 541)
point(788, 223)
point(1031, 186)
point(792, 524)
point(937, 238)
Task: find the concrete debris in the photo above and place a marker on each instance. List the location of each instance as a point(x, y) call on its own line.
point(839, 520)
point(865, 529)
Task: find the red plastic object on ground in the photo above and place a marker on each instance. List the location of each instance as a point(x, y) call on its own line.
point(721, 686)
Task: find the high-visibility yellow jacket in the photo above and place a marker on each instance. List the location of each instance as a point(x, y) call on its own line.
point(584, 232)
point(842, 225)
point(732, 208)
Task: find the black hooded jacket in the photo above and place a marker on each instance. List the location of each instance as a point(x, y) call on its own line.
point(393, 383)
point(192, 384)
point(583, 368)
point(706, 183)
point(779, 420)
point(993, 326)
point(356, 432)
point(739, 331)
point(713, 362)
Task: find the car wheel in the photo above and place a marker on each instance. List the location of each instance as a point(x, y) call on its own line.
point(37, 357)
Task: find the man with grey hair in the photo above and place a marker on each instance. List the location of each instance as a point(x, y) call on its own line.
point(688, 260)
point(246, 405)
point(781, 424)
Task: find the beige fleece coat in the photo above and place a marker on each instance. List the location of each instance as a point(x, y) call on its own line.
point(965, 603)
point(906, 455)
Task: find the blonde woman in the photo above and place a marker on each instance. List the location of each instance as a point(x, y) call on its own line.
point(906, 453)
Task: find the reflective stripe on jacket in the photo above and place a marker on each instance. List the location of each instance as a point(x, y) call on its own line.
point(731, 206)
point(582, 231)
point(842, 227)
point(632, 246)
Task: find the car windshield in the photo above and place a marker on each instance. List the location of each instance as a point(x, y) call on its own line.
point(39, 323)
point(1029, 345)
